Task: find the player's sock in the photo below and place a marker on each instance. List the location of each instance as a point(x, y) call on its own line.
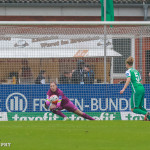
point(87, 116)
point(142, 108)
point(139, 111)
point(58, 112)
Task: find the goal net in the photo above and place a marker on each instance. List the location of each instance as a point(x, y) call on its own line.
point(85, 59)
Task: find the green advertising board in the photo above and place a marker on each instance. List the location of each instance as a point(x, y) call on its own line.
point(48, 116)
point(35, 116)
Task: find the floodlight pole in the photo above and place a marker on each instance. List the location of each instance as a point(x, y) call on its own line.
point(105, 32)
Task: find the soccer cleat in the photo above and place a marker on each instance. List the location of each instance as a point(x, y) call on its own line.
point(66, 118)
point(147, 116)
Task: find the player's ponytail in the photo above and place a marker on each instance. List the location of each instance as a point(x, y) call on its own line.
point(129, 61)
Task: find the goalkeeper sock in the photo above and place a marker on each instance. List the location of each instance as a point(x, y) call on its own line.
point(58, 112)
point(139, 111)
point(84, 115)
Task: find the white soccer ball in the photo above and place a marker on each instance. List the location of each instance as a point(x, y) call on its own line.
point(53, 98)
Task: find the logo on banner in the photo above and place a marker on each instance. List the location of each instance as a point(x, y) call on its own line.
point(16, 102)
point(21, 44)
point(81, 53)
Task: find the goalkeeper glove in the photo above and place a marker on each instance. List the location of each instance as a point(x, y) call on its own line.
point(46, 106)
point(47, 103)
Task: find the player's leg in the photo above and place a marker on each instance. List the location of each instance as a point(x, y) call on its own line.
point(58, 112)
point(72, 108)
point(137, 99)
point(147, 116)
point(137, 110)
point(142, 103)
point(84, 115)
point(142, 108)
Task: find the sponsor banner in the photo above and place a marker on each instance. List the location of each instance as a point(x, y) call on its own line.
point(3, 116)
point(49, 47)
point(88, 98)
point(44, 116)
point(131, 116)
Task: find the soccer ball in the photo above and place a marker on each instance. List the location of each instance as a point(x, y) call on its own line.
point(54, 99)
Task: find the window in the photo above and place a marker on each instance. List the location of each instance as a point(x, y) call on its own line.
point(122, 46)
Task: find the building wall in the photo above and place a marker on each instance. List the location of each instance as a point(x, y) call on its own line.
point(66, 18)
point(69, 11)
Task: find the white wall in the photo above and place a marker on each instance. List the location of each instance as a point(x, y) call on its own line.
point(67, 11)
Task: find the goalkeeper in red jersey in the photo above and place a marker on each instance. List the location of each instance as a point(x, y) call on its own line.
point(63, 103)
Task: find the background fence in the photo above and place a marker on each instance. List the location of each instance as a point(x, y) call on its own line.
point(72, 55)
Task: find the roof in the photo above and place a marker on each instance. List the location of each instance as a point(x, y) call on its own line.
point(67, 2)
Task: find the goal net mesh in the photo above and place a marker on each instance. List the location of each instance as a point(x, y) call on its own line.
point(73, 56)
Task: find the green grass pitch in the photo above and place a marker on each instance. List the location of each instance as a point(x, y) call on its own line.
point(75, 135)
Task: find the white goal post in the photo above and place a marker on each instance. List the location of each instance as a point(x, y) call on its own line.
point(75, 23)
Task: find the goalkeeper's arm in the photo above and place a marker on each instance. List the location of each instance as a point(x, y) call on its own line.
point(47, 103)
point(59, 103)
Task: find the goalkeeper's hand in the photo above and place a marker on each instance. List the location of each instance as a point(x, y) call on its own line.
point(58, 105)
point(46, 106)
point(58, 108)
point(47, 103)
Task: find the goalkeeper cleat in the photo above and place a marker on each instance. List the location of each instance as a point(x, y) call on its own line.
point(66, 118)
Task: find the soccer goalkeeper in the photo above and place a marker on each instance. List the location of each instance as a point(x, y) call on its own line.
point(138, 91)
point(63, 103)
